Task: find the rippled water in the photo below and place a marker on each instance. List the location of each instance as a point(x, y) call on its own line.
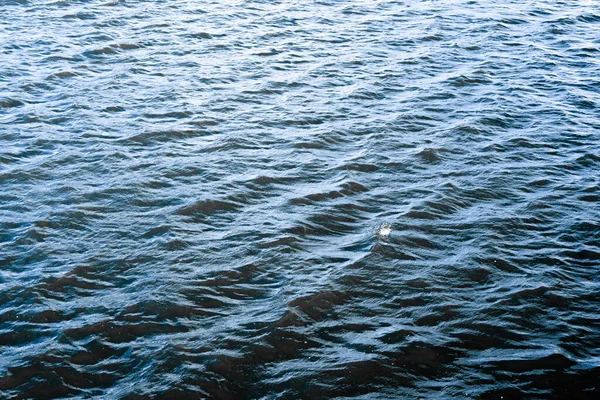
point(258, 199)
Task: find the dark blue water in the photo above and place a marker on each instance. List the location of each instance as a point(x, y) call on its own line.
point(282, 199)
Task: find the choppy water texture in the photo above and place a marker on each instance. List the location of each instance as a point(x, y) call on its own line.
point(317, 199)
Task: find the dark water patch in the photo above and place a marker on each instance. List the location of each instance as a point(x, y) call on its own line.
point(589, 18)
point(201, 35)
point(117, 333)
point(161, 312)
point(348, 189)
point(153, 137)
point(429, 155)
point(205, 122)
point(63, 74)
point(80, 15)
point(100, 52)
point(588, 160)
point(128, 46)
point(316, 306)
point(9, 102)
point(114, 109)
point(468, 81)
point(207, 207)
point(173, 114)
point(513, 21)
point(284, 241)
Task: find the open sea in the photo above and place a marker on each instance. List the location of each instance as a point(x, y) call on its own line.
point(359, 199)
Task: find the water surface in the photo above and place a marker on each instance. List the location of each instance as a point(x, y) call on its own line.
point(318, 199)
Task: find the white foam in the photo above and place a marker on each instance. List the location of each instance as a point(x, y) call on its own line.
point(384, 231)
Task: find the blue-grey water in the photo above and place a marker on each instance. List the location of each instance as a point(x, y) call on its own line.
point(299, 199)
